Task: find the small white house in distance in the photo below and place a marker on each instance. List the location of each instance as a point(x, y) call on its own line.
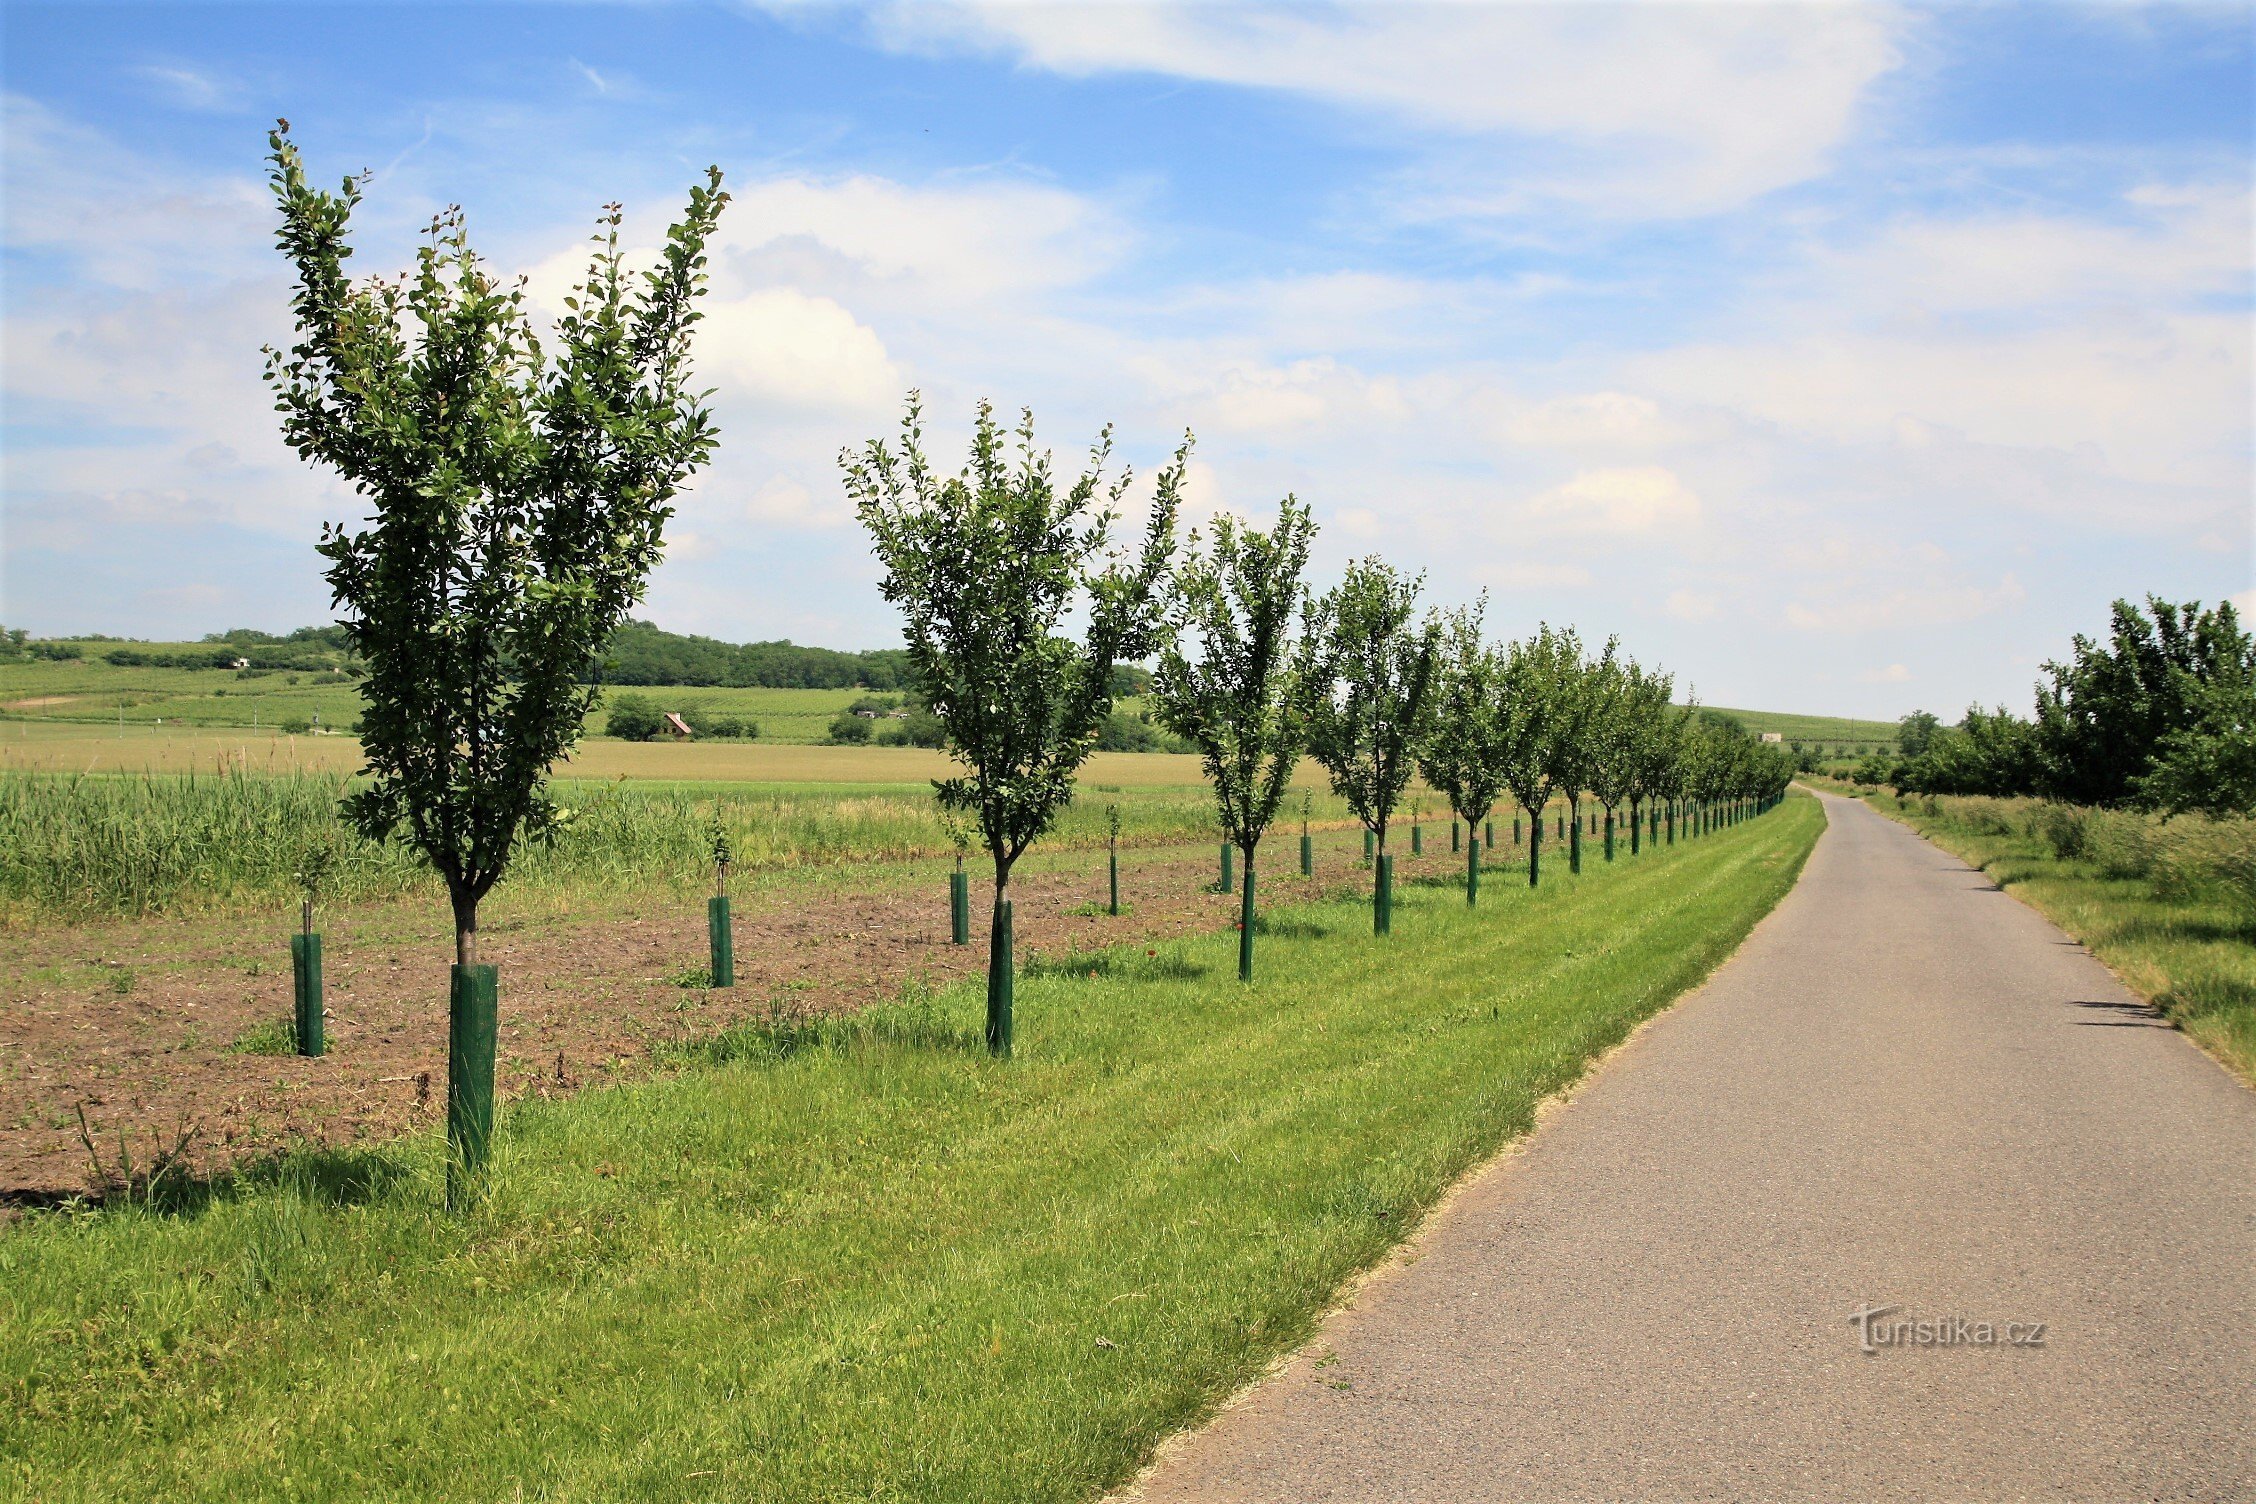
point(1773, 736)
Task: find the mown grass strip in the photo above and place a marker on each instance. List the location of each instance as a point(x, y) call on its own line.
point(860, 1260)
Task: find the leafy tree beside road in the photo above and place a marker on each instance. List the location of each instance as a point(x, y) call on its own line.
point(1368, 728)
point(1466, 757)
point(985, 567)
point(1242, 676)
point(518, 496)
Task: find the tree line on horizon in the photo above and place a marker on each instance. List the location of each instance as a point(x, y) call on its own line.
point(2160, 715)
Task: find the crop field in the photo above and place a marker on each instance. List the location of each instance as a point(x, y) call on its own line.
point(94, 691)
point(84, 846)
point(831, 1257)
point(28, 746)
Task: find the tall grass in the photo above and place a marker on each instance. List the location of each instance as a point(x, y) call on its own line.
point(857, 1260)
point(141, 844)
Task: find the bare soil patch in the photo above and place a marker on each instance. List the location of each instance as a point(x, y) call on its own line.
point(132, 1022)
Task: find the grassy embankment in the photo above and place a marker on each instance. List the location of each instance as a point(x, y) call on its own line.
point(859, 1259)
point(2170, 905)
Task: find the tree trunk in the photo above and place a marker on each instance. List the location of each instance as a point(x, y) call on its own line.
point(1245, 919)
point(471, 1028)
point(465, 929)
point(1535, 847)
point(999, 964)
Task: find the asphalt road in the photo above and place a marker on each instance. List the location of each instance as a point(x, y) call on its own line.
point(1906, 1091)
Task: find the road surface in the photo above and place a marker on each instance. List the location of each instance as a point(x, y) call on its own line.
point(1907, 1095)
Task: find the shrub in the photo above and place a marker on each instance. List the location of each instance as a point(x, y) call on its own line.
point(2063, 827)
point(849, 729)
point(634, 718)
point(294, 725)
point(2120, 845)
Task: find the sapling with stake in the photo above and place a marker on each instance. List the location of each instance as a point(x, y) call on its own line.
point(317, 861)
point(516, 494)
point(986, 567)
point(717, 924)
point(1466, 756)
point(1367, 729)
point(1241, 676)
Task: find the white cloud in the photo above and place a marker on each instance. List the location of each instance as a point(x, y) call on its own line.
point(2164, 244)
point(1692, 605)
point(1622, 502)
point(971, 237)
point(1531, 574)
point(780, 345)
point(1654, 109)
point(1894, 673)
point(1613, 421)
point(1904, 609)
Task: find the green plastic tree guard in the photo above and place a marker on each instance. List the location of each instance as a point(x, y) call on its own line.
point(1382, 910)
point(1488, 835)
point(1454, 847)
point(471, 1012)
point(1307, 854)
point(1574, 844)
point(1229, 883)
point(1245, 924)
point(1417, 840)
point(959, 907)
point(305, 985)
point(1515, 831)
point(1561, 833)
point(1535, 851)
point(1370, 844)
point(723, 938)
point(1112, 864)
point(1609, 835)
point(999, 979)
point(1472, 872)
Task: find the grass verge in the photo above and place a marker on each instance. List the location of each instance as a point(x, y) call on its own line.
point(856, 1259)
point(2153, 902)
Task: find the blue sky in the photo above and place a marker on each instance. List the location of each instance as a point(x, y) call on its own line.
point(1841, 358)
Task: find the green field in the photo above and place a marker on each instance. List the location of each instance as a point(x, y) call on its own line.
point(858, 1259)
point(1828, 731)
point(93, 691)
point(91, 847)
point(104, 692)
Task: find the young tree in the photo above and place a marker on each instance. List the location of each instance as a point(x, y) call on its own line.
point(1239, 682)
point(1655, 726)
point(1573, 750)
point(1613, 735)
point(518, 500)
point(1466, 754)
point(1367, 726)
point(1538, 674)
point(985, 566)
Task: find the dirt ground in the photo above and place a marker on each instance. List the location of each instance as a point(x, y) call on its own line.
point(130, 1024)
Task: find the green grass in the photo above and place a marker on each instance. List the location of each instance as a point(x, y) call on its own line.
point(2170, 906)
point(140, 844)
point(90, 690)
point(1828, 731)
point(858, 1259)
